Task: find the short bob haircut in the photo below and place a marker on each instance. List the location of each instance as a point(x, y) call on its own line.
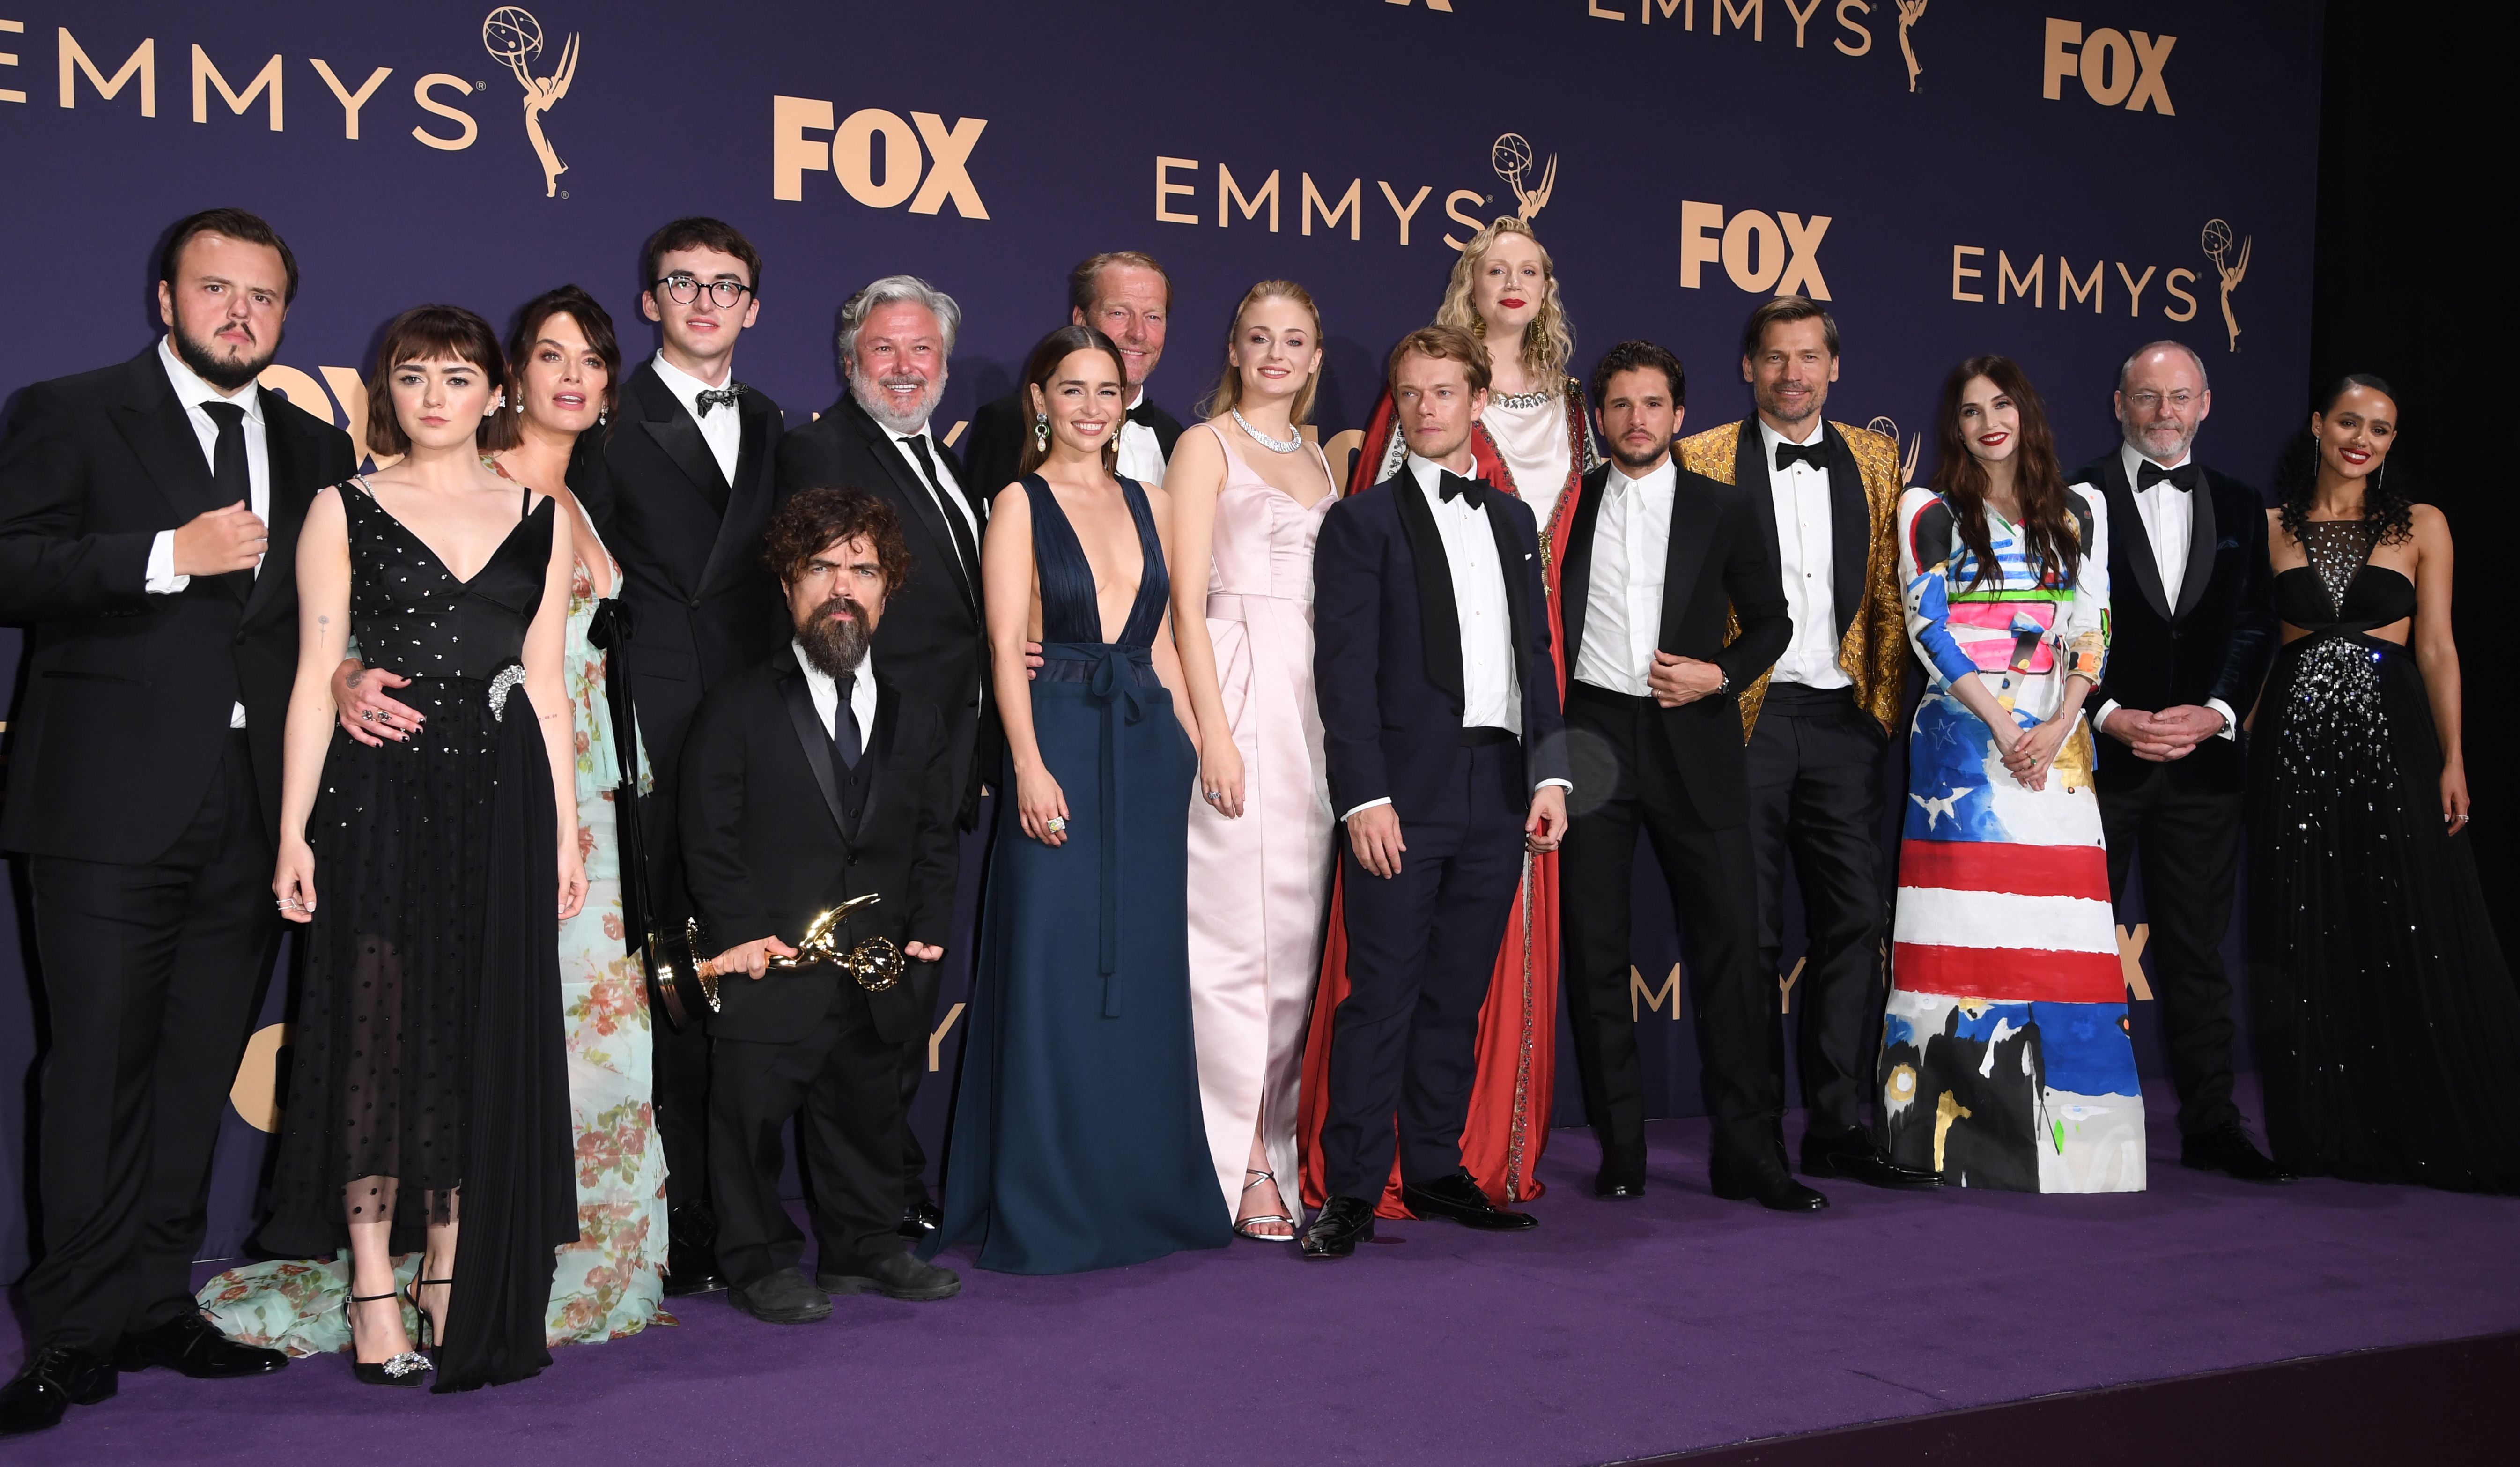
point(426, 333)
point(817, 517)
point(1444, 344)
point(502, 432)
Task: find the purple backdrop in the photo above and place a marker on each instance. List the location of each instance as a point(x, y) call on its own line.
point(1954, 179)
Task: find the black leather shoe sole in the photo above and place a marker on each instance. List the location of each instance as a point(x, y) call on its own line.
point(806, 1313)
point(1794, 1197)
point(683, 1282)
point(858, 1283)
point(1481, 1220)
point(1323, 1249)
point(234, 1362)
point(1871, 1172)
point(25, 1407)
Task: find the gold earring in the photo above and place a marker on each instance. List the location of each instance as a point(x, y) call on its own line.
point(1479, 327)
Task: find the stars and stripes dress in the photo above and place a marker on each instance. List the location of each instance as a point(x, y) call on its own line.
point(2006, 1060)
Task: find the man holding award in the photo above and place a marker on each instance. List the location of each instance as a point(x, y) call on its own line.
point(809, 784)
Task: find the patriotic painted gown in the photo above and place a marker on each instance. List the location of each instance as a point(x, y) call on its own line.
point(2006, 1060)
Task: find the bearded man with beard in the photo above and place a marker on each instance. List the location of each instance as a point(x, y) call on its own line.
point(896, 337)
point(811, 780)
point(148, 517)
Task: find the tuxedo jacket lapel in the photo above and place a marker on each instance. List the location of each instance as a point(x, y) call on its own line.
point(878, 747)
point(286, 454)
point(816, 743)
point(750, 483)
point(161, 434)
point(663, 417)
point(913, 492)
point(1510, 556)
point(1692, 527)
point(1439, 614)
point(2203, 538)
point(1750, 458)
point(2126, 523)
point(1575, 563)
point(1850, 528)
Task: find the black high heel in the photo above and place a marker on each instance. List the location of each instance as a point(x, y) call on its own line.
point(428, 1326)
point(403, 1370)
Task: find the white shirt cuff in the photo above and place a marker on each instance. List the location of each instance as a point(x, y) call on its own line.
point(160, 579)
point(2100, 719)
point(1567, 785)
point(1369, 805)
point(2231, 723)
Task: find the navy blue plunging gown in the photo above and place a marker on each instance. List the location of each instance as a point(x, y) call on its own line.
point(1077, 1140)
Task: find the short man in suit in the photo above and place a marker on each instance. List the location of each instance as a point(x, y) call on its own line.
point(1127, 296)
point(1447, 758)
point(149, 517)
point(1818, 722)
point(814, 778)
point(2194, 635)
point(679, 485)
point(1655, 559)
point(896, 343)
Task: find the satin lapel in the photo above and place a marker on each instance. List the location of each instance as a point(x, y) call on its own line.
point(664, 419)
point(2202, 541)
point(161, 437)
point(913, 492)
point(1575, 565)
point(290, 494)
point(748, 488)
point(1750, 458)
point(1439, 613)
point(2126, 527)
point(1692, 527)
point(1511, 557)
point(1850, 528)
point(816, 743)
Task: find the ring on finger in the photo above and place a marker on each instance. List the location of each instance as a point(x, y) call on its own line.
point(1056, 825)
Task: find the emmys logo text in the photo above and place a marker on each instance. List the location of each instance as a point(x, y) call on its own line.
point(1760, 251)
point(2117, 68)
point(1847, 29)
point(880, 159)
point(2104, 287)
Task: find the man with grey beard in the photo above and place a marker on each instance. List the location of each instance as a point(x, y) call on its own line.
point(896, 337)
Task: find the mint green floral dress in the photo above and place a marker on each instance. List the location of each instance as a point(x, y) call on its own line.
point(608, 1283)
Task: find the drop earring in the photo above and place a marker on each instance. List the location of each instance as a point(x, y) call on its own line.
point(1479, 327)
point(1041, 432)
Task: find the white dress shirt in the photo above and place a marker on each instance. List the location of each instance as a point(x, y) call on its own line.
point(1623, 605)
point(826, 694)
point(160, 578)
point(2166, 512)
point(721, 426)
point(1141, 455)
point(953, 501)
point(1808, 551)
point(1491, 688)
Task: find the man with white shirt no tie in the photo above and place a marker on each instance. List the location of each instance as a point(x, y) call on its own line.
point(2192, 633)
point(1653, 561)
point(148, 517)
point(1447, 755)
point(679, 487)
point(1817, 726)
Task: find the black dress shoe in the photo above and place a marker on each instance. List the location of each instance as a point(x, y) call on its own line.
point(1771, 1187)
point(55, 1378)
point(1458, 1198)
point(1853, 1155)
point(1617, 1184)
point(191, 1345)
point(782, 1298)
point(691, 1268)
point(2228, 1149)
point(921, 1218)
point(895, 1275)
point(1334, 1231)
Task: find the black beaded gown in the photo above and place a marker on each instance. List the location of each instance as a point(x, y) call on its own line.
point(428, 1075)
point(2388, 1027)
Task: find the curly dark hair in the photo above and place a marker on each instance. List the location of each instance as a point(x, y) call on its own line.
point(2388, 505)
point(816, 517)
point(2055, 551)
point(1641, 357)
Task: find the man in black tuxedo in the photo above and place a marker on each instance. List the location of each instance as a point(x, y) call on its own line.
point(1129, 297)
point(1447, 755)
point(1655, 559)
point(807, 781)
point(148, 517)
point(679, 484)
point(896, 343)
point(2193, 634)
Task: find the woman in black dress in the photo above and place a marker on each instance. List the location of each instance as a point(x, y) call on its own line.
point(2388, 1032)
point(428, 1087)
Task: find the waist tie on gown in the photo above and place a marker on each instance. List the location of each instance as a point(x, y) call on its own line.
point(1114, 674)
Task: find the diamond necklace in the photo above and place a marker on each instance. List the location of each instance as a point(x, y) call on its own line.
point(1274, 445)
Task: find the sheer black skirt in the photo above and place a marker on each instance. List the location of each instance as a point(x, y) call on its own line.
point(2388, 1026)
point(427, 1077)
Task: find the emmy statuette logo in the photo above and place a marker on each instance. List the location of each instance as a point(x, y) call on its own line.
point(1889, 428)
point(511, 35)
point(1910, 13)
point(1511, 157)
point(2216, 243)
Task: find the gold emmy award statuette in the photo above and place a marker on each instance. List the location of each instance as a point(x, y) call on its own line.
point(511, 34)
point(1907, 460)
point(2218, 248)
point(875, 963)
point(1910, 13)
point(1511, 157)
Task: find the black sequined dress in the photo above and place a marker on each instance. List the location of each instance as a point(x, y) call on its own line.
point(2388, 1027)
point(428, 1072)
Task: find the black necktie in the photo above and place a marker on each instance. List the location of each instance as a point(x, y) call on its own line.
point(945, 506)
point(2183, 479)
point(228, 467)
point(845, 743)
point(1813, 453)
point(1472, 491)
point(721, 396)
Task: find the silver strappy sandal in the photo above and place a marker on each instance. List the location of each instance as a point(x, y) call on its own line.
point(1243, 1226)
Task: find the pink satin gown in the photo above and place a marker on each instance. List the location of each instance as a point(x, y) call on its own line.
point(1258, 884)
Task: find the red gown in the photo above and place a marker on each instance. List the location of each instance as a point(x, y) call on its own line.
point(1517, 1044)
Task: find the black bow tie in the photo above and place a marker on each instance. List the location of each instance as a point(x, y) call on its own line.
point(1138, 414)
point(1449, 487)
point(2183, 479)
point(1813, 453)
point(721, 396)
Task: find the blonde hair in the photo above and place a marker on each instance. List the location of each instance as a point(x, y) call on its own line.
point(1549, 342)
point(1226, 394)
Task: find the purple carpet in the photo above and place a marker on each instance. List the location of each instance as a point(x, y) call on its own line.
point(1617, 1330)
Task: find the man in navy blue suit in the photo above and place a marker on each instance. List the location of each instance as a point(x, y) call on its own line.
point(1447, 755)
